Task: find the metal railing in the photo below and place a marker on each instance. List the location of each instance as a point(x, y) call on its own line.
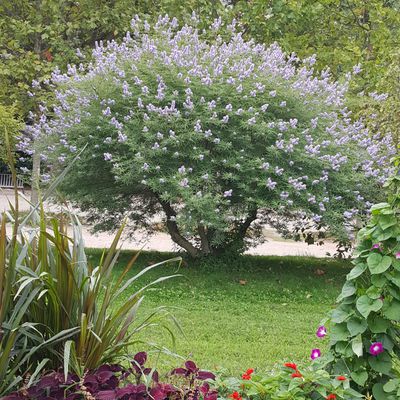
point(6, 181)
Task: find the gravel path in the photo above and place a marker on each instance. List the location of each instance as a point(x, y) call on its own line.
point(274, 244)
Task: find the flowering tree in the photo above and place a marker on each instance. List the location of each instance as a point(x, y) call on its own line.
point(217, 134)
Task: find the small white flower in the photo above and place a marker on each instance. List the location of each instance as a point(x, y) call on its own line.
point(184, 182)
point(228, 193)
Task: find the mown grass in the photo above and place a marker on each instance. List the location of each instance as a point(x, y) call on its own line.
point(245, 312)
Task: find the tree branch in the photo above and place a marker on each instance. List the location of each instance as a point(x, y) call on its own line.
point(242, 228)
point(173, 229)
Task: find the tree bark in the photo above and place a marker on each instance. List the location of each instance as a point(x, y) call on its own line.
point(205, 245)
point(173, 230)
point(237, 238)
point(242, 228)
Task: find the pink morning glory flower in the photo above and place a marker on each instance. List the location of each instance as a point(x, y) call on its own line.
point(398, 255)
point(321, 331)
point(315, 353)
point(376, 348)
point(376, 246)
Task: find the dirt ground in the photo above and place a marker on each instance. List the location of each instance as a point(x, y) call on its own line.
point(274, 244)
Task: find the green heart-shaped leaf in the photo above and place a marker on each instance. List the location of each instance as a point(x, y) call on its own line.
point(378, 263)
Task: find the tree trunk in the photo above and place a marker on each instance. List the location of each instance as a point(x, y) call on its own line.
point(243, 227)
point(173, 230)
point(236, 242)
point(205, 245)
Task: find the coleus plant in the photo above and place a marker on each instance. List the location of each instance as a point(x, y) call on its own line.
point(109, 382)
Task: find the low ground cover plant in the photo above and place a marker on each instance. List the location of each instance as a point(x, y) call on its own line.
point(109, 382)
point(289, 382)
point(113, 381)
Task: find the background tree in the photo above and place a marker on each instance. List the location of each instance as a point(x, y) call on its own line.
point(10, 124)
point(343, 34)
point(36, 36)
point(213, 133)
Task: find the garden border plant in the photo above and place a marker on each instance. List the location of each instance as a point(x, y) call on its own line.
point(363, 331)
point(55, 307)
point(365, 326)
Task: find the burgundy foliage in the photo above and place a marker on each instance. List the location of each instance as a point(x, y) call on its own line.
point(110, 382)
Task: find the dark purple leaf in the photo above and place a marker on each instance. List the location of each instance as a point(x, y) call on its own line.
point(158, 393)
point(179, 371)
point(106, 395)
point(131, 389)
point(104, 376)
point(155, 377)
point(211, 396)
point(74, 396)
point(202, 375)
point(48, 381)
point(112, 383)
point(116, 368)
point(163, 389)
point(191, 366)
point(146, 371)
point(14, 396)
point(91, 381)
point(204, 388)
point(140, 358)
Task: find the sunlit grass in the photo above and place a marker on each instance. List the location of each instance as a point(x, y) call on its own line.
point(242, 313)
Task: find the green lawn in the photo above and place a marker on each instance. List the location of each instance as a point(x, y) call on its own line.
point(269, 319)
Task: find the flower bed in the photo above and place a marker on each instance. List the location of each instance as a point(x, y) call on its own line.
point(110, 382)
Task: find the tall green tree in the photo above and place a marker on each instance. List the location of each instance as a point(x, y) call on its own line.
point(343, 34)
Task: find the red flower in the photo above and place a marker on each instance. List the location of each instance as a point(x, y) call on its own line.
point(331, 397)
point(296, 374)
point(341, 378)
point(235, 396)
point(247, 375)
point(291, 365)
